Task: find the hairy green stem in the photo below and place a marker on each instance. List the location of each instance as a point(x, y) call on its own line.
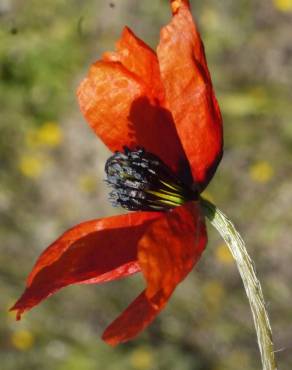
point(250, 281)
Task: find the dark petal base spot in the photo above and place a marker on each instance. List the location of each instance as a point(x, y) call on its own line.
point(141, 181)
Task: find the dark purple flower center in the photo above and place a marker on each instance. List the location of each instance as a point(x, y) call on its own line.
point(141, 181)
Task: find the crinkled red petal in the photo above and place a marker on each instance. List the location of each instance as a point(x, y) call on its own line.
point(122, 99)
point(138, 58)
point(189, 93)
point(167, 252)
point(92, 252)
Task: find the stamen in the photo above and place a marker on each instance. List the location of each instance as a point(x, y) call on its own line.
point(141, 181)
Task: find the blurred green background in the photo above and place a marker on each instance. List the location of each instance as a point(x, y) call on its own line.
point(52, 178)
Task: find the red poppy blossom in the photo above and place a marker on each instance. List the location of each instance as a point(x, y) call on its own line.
point(164, 103)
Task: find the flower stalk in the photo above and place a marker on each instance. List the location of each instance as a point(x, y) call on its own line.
point(250, 281)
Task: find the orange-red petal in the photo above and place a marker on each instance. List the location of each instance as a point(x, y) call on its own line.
point(132, 321)
point(92, 252)
point(169, 249)
point(167, 252)
point(122, 100)
point(138, 58)
point(189, 92)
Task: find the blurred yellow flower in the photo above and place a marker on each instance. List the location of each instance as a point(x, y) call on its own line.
point(30, 166)
point(141, 358)
point(223, 254)
point(48, 134)
point(261, 171)
point(283, 5)
point(22, 340)
point(88, 183)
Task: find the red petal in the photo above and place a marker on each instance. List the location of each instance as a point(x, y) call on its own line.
point(189, 93)
point(167, 252)
point(134, 319)
point(92, 252)
point(169, 249)
point(122, 100)
point(138, 58)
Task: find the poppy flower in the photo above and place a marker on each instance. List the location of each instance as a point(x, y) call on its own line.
point(157, 113)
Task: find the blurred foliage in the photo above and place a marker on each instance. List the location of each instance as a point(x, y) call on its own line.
point(52, 170)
